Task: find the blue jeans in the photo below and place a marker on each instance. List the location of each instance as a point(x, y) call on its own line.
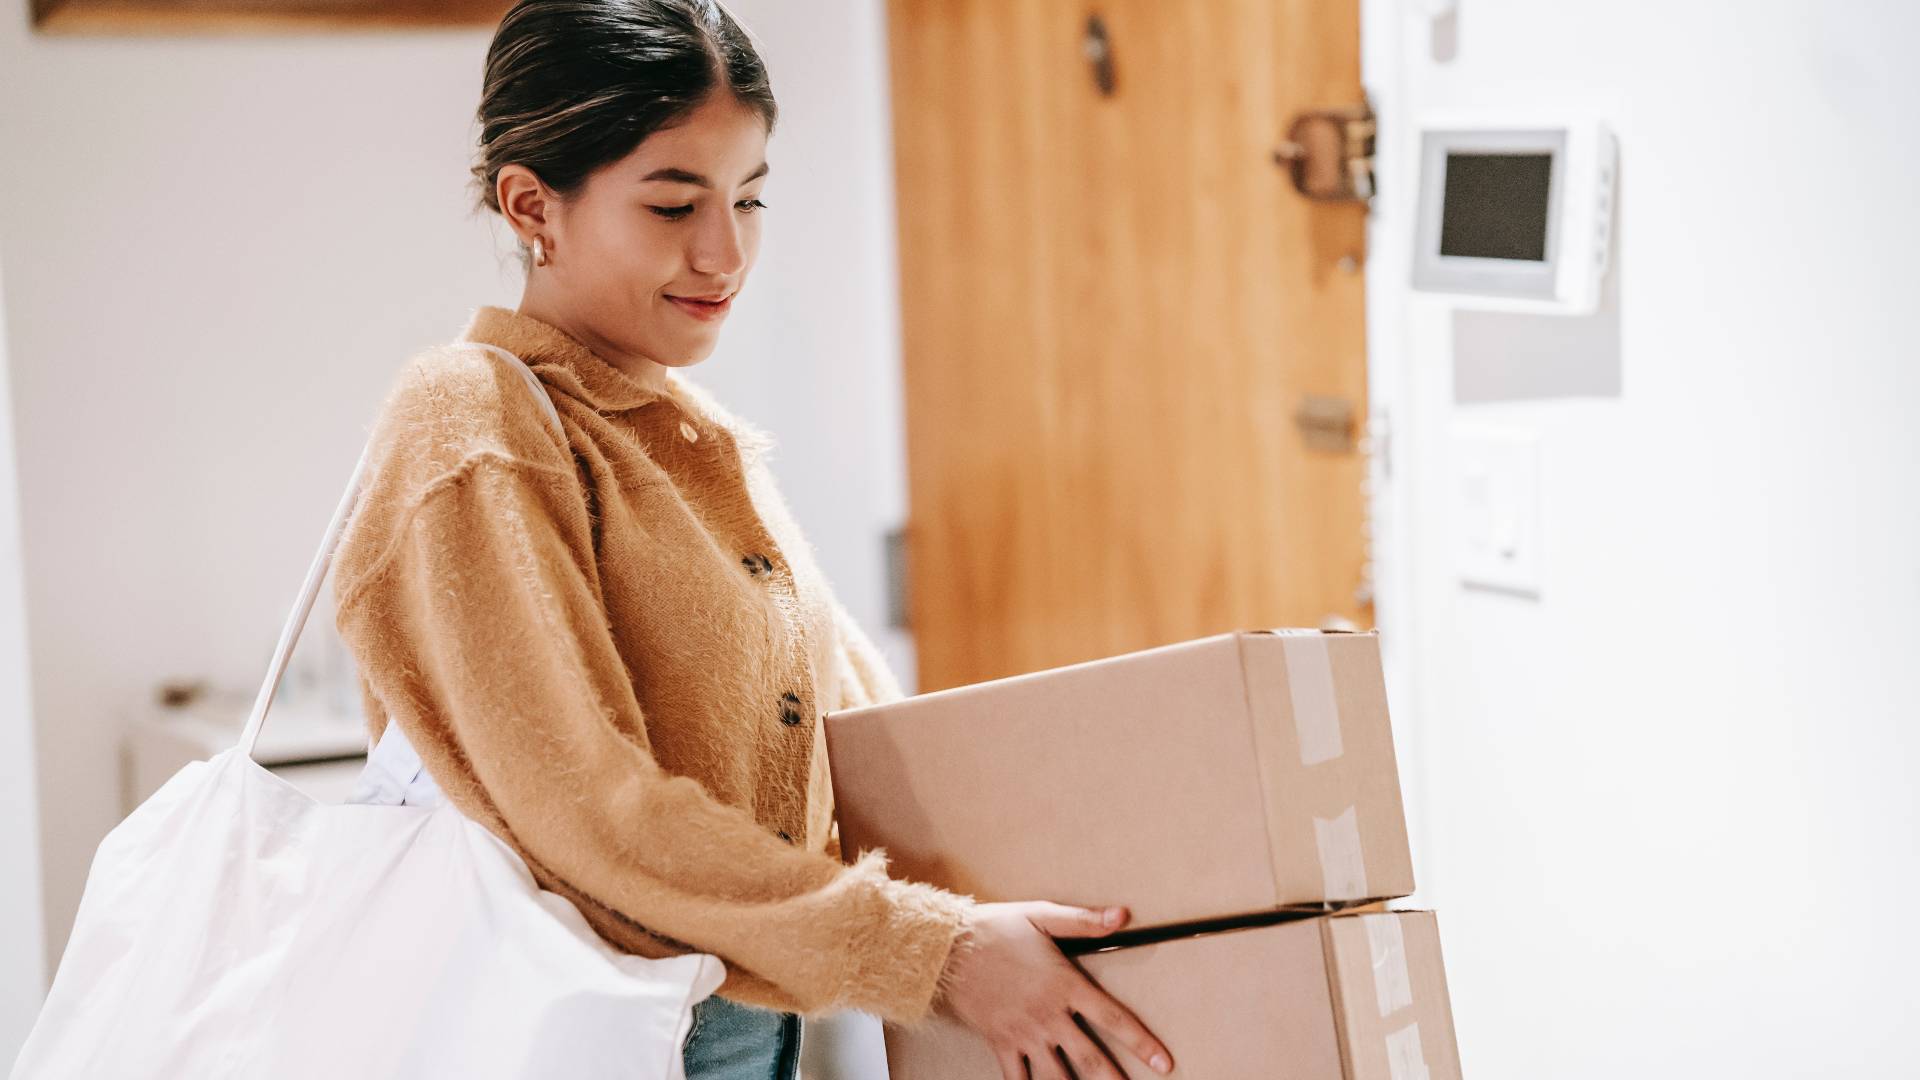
point(731, 1041)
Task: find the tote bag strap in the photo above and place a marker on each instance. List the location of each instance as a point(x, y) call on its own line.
point(310, 589)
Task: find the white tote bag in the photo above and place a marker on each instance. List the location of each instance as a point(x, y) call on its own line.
point(233, 926)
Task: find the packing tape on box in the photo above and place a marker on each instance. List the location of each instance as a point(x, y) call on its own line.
point(1343, 868)
point(1316, 710)
point(1387, 944)
point(1405, 1061)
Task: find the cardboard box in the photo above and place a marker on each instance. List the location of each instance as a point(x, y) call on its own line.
point(1242, 772)
point(1332, 997)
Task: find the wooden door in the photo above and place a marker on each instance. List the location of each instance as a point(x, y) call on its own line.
point(1114, 305)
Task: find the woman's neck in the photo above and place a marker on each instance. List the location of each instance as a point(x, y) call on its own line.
point(641, 369)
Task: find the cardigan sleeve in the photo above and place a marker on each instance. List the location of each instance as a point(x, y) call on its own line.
point(483, 618)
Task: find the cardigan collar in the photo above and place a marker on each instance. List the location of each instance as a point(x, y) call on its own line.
point(571, 365)
point(565, 362)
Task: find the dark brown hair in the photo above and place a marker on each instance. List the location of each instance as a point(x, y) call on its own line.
point(572, 85)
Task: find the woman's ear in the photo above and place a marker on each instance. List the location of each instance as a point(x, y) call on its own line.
point(526, 204)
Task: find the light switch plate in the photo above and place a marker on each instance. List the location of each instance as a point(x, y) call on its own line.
point(1497, 510)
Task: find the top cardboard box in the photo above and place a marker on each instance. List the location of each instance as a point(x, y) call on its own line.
point(1227, 775)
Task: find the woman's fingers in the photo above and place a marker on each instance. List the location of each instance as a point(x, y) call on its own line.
point(1101, 1010)
point(1044, 1063)
point(1088, 1058)
point(1064, 920)
point(1034, 1006)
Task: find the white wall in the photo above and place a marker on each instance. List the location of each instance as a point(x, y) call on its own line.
point(21, 964)
point(1667, 811)
point(219, 250)
point(218, 253)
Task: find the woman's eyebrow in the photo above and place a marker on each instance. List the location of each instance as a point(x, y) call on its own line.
point(683, 176)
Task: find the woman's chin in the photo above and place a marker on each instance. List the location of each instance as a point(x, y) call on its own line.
point(693, 352)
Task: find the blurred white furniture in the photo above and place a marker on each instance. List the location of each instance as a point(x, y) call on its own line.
point(318, 749)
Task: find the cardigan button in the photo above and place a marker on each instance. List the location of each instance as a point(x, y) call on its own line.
point(790, 709)
point(758, 564)
point(784, 836)
point(688, 430)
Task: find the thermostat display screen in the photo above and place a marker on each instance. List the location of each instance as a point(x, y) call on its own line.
point(1495, 206)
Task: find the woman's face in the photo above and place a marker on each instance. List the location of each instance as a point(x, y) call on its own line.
point(640, 255)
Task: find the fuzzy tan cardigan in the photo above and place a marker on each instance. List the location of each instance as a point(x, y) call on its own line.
point(615, 653)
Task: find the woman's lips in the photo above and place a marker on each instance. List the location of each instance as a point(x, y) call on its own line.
point(705, 311)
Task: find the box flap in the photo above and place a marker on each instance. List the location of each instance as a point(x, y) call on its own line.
point(1317, 705)
point(1390, 992)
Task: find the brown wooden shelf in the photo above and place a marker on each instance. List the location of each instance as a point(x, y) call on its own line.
point(162, 17)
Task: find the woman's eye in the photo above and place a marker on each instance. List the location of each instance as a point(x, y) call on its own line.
point(675, 213)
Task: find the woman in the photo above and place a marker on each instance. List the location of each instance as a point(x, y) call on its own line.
point(614, 650)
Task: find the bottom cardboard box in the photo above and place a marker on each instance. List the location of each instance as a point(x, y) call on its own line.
point(1352, 996)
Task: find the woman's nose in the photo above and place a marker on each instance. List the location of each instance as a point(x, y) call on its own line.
point(718, 248)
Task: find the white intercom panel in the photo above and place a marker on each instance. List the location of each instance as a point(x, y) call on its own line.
point(1515, 215)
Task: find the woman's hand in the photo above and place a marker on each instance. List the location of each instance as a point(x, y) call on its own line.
point(1012, 984)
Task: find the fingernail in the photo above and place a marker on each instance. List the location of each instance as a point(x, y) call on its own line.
point(1161, 1064)
point(1113, 916)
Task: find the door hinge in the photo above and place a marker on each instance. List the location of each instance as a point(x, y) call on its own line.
point(1329, 153)
point(895, 543)
point(1326, 423)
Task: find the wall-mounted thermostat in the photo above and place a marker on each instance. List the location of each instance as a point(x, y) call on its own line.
point(1515, 216)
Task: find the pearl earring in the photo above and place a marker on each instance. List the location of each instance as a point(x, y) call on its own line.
point(539, 252)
